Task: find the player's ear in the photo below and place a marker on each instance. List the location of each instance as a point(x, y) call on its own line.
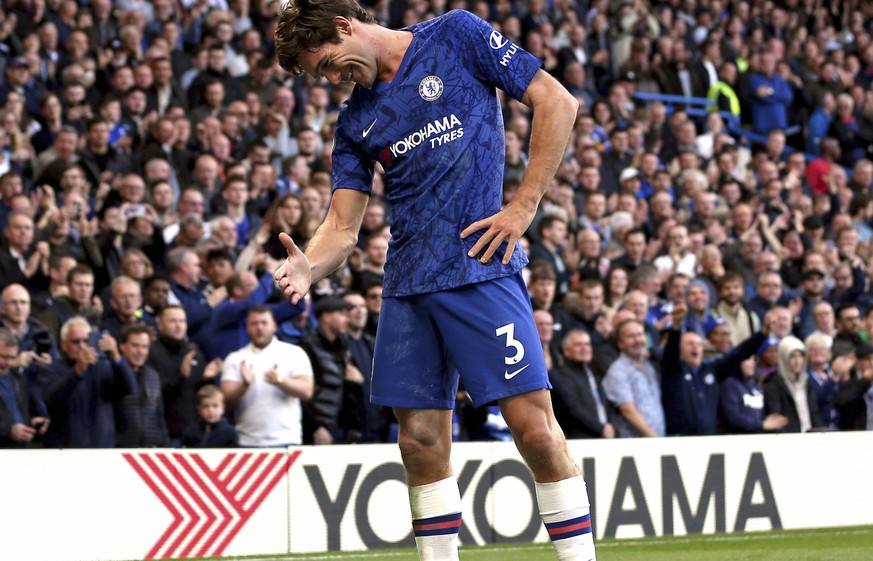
point(343, 25)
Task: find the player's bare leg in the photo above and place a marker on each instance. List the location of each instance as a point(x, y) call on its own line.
point(538, 437)
point(561, 491)
point(425, 440)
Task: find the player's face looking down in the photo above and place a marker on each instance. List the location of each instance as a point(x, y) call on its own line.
point(351, 60)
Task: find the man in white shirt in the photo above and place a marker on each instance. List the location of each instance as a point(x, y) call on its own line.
point(265, 381)
point(679, 258)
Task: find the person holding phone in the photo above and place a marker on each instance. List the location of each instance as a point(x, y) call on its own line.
point(22, 421)
point(36, 348)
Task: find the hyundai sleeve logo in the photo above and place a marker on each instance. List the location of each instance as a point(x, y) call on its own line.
point(497, 40)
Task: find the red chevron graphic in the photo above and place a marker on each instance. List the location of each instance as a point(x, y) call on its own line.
point(209, 506)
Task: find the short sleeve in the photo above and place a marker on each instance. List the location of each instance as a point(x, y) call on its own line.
point(230, 368)
point(298, 363)
point(351, 168)
point(496, 59)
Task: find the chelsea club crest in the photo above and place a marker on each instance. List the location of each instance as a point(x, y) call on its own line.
point(430, 88)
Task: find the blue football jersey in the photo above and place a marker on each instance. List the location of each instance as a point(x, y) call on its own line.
point(437, 130)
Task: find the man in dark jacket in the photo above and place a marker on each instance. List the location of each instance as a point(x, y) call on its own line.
point(21, 420)
point(331, 414)
point(690, 383)
point(126, 305)
point(79, 302)
point(615, 161)
point(182, 368)
point(678, 77)
point(16, 248)
point(581, 407)
point(139, 416)
point(20, 79)
point(216, 70)
point(183, 265)
point(82, 388)
point(741, 404)
point(854, 395)
point(553, 238)
point(100, 160)
point(374, 418)
point(35, 343)
point(849, 324)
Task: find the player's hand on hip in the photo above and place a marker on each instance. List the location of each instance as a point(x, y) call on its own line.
point(294, 276)
point(509, 224)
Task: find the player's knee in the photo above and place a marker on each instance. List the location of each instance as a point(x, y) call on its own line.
point(541, 439)
point(418, 439)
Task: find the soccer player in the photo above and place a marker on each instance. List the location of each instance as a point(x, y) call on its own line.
point(425, 107)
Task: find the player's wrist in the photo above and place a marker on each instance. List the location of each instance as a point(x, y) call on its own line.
point(527, 203)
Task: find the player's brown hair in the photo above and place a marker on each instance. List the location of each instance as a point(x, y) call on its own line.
point(307, 24)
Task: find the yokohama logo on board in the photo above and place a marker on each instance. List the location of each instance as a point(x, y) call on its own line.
point(209, 505)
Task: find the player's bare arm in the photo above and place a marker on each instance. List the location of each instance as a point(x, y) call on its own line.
point(332, 243)
point(554, 112)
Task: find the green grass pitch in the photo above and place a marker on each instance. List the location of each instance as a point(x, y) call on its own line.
point(836, 544)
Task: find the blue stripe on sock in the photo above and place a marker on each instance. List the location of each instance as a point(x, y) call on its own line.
point(437, 519)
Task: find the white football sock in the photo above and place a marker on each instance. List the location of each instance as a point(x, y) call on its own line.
point(566, 512)
point(436, 519)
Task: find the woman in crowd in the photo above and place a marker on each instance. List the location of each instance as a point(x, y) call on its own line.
point(616, 283)
point(286, 214)
point(788, 392)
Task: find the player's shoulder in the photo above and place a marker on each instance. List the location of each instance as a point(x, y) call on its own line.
point(348, 114)
point(466, 21)
point(458, 15)
point(461, 15)
point(452, 19)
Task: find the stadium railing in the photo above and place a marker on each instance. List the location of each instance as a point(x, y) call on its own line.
point(699, 107)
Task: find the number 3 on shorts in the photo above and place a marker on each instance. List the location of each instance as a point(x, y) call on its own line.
point(511, 341)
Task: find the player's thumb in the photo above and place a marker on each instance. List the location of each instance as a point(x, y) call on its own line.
point(288, 243)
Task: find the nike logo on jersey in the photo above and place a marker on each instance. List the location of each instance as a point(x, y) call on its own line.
point(368, 129)
point(510, 375)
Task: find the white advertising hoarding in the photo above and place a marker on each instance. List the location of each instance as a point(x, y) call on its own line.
point(154, 504)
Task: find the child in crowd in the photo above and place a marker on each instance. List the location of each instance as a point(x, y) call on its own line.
point(213, 430)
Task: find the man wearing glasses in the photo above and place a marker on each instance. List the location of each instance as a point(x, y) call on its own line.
point(82, 388)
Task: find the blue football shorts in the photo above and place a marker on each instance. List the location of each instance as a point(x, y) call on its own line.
point(483, 332)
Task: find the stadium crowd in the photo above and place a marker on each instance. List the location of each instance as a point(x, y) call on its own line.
point(696, 267)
